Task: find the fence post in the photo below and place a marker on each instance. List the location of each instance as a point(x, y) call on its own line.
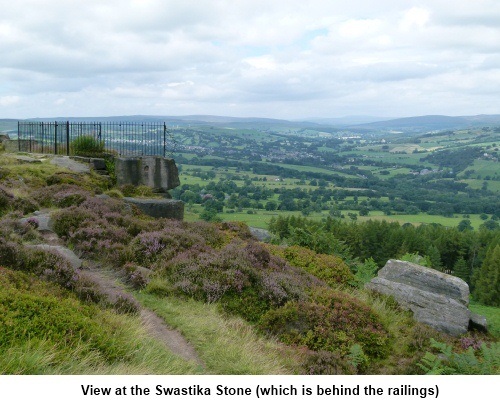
point(18, 136)
point(67, 138)
point(55, 138)
point(164, 140)
point(43, 133)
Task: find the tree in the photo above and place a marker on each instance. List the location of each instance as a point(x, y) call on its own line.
point(461, 269)
point(364, 211)
point(490, 224)
point(465, 225)
point(434, 257)
point(210, 215)
point(487, 289)
point(271, 206)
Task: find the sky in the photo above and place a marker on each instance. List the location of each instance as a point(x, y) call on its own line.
point(289, 59)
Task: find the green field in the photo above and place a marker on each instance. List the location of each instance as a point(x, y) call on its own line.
point(260, 218)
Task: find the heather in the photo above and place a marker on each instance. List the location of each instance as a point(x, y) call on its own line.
point(213, 264)
point(246, 306)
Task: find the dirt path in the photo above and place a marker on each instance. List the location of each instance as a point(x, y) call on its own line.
point(110, 285)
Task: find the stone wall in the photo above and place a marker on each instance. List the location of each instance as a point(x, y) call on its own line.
point(157, 172)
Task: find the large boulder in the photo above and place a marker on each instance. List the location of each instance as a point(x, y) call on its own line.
point(435, 298)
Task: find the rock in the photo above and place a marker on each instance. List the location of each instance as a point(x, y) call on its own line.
point(159, 208)
point(27, 159)
point(43, 219)
point(98, 164)
point(157, 172)
point(71, 164)
point(260, 234)
point(436, 299)
point(478, 322)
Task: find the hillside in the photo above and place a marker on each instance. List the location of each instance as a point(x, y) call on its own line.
point(414, 124)
point(229, 296)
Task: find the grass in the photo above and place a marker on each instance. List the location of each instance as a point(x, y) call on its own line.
point(227, 345)
point(85, 339)
point(492, 315)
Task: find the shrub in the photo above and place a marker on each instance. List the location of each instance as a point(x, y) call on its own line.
point(42, 263)
point(49, 266)
point(147, 247)
point(365, 272)
point(87, 290)
point(114, 193)
point(16, 230)
point(331, 269)
point(333, 322)
point(327, 363)
point(211, 234)
point(65, 178)
point(208, 274)
point(10, 253)
point(69, 220)
point(236, 230)
point(24, 205)
point(125, 304)
point(244, 278)
point(87, 145)
point(128, 190)
point(6, 200)
point(137, 276)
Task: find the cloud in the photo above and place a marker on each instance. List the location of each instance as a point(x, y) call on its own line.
point(414, 18)
point(6, 101)
point(248, 57)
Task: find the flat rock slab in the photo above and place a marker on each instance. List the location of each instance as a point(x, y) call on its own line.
point(159, 208)
point(66, 162)
point(27, 159)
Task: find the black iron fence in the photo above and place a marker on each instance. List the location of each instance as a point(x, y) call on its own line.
point(124, 138)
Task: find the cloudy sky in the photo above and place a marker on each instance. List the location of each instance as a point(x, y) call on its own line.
point(269, 58)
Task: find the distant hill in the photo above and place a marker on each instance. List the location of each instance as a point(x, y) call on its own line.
point(348, 120)
point(354, 123)
point(431, 122)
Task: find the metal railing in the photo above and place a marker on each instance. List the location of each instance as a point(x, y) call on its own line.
point(124, 138)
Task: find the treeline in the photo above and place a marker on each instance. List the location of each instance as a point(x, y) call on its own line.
point(456, 159)
point(473, 256)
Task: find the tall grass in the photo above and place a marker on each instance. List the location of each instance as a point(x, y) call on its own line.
point(227, 345)
point(87, 145)
point(46, 330)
